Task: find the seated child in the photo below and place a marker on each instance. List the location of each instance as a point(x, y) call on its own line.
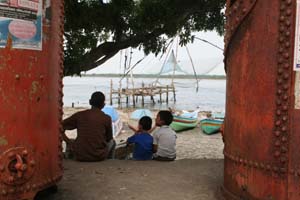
point(142, 140)
point(164, 139)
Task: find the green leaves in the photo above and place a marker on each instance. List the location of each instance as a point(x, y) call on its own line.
point(148, 24)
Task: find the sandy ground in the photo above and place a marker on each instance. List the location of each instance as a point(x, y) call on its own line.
point(199, 179)
point(196, 174)
point(191, 144)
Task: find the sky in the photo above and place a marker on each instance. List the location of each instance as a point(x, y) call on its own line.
point(207, 59)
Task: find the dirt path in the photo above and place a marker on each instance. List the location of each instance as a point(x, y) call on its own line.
point(197, 174)
point(198, 179)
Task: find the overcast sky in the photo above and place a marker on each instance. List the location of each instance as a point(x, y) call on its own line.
point(204, 56)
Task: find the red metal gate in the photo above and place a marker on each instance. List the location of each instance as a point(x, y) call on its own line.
point(262, 125)
point(31, 61)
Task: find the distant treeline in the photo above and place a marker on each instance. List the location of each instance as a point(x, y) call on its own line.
point(155, 76)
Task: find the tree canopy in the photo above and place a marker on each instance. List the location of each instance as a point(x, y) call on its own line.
point(95, 31)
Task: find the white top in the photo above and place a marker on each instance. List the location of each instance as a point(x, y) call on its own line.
point(165, 139)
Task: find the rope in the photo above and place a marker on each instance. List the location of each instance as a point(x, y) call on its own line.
point(209, 43)
point(195, 74)
point(138, 62)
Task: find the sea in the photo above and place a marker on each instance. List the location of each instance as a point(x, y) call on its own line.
point(209, 95)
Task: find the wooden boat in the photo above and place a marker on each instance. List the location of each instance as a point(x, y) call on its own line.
point(218, 115)
point(139, 113)
point(183, 123)
point(211, 126)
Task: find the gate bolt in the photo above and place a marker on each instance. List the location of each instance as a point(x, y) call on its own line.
point(25, 153)
point(28, 187)
point(11, 179)
point(12, 190)
point(4, 192)
point(32, 163)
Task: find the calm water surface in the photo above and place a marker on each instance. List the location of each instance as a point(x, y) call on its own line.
point(210, 96)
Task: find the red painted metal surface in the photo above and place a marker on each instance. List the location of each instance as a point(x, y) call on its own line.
point(262, 125)
point(31, 111)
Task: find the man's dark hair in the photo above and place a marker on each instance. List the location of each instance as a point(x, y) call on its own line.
point(166, 116)
point(146, 123)
point(97, 99)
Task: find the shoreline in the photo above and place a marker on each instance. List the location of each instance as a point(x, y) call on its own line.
point(188, 76)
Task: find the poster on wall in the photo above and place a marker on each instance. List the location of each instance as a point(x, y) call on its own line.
point(297, 91)
point(21, 20)
point(297, 39)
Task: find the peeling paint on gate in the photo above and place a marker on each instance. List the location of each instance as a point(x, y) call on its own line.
point(35, 86)
point(3, 141)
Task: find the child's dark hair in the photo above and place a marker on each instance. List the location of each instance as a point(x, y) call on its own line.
point(146, 123)
point(166, 116)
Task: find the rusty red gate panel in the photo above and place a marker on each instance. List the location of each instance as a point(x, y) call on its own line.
point(262, 125)
point(31, 61)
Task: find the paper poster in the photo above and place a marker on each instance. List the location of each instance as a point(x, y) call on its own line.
point(297, 39)
point(297, 91)
point(21, 20)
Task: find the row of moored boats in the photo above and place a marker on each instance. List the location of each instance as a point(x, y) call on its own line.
point(182, 121)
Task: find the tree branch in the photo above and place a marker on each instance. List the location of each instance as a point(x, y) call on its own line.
point(107, 50)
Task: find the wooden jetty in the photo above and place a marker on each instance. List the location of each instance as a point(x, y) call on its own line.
point(143, 92)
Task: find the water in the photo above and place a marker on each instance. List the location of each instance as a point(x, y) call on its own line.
point(210, 96)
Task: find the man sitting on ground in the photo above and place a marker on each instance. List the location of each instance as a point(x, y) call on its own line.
point(142, 140)
point(94, 140)
point(164, 139)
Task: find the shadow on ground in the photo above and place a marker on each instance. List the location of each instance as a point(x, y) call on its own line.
point(199, 179)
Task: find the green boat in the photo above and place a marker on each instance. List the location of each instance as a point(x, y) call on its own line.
point(183, 123)
point(211, 126)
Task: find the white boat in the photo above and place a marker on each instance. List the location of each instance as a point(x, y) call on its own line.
point(139, 113)
point(117, 124)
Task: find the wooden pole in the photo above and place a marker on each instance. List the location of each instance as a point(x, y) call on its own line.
point(160, 95)
point(174, 93)
point(133, 97)
point(111, 91)
point(119, 93)
point(143, 102)
point(152, 98)
point(127, 97)
point(167, 95)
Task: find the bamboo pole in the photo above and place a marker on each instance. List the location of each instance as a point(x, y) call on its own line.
point(119, 93)
point(152, 98)
point(167, 95)
point(133, 97)
point(195, 74)
point(143, 100)
point(111, 91)
point(174, 92)
point(127, 97)
point(160, 95)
